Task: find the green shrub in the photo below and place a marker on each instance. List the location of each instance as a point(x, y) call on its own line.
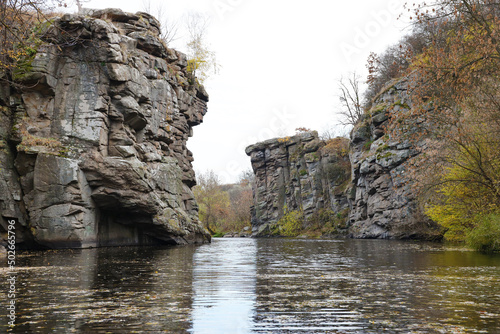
point(337, 172)
point(486, 236)
point(341, 219)
point(386, 155)
point(290, 225)
point(382, 148)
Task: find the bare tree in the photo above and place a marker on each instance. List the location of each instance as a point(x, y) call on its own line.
point(169, 27)
point(350, 99)
point(247, 177)
point(328, 134)
point(79, 4)
point(197, 24)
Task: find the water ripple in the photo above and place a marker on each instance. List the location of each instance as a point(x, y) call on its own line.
point(259, 286)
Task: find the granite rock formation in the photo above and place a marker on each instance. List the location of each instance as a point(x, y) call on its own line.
point(93, 146)
point(304, 173)
point(296, 173)
point(383, 203)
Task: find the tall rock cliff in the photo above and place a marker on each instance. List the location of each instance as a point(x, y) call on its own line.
point(300, 173)
point(373, 198)
point(94, 141)
point(383, 201)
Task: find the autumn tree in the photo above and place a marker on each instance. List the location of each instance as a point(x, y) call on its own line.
point(193, 29)
point(23, 24)
point(455, 114)
point(202, 61)
point(300, 130)
point(213, 201)
point(241, 198)
point(16, 22)
point(394, 61)
point(224, 208)
point(247, 178)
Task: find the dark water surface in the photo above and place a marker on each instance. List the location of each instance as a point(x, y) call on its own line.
point(258, 286)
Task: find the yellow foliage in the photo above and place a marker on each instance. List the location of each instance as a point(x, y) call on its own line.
point(290, 225)
point(202, 61)
point(338, 146)
point(283, 140)
point(213, 202)
point(21, 25)
point(466, 195)
point(222, 208)
point(486, 236)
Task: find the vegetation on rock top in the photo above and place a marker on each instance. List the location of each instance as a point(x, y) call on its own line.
point(450, 65)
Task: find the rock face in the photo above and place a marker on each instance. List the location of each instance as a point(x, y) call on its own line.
point(94, 146)
point(383, 204)
point(303, 173)
point(296, 173)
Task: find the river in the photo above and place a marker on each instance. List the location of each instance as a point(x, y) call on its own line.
point(258, 286)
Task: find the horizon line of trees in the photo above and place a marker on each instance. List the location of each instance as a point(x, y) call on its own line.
point(224, 208)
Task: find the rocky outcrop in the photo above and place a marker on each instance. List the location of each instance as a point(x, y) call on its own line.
point(306, 174)
point(300, 173)
point(383, 202)
point(94, 142)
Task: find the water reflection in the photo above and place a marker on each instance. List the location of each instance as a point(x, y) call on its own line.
point(224, 280)
point(370, 286)
point(118, 290)
point(258, 286)
point(302, 288)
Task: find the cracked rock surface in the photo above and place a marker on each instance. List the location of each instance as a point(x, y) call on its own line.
point(383, 201)
point(93, 147)
point(296, 173)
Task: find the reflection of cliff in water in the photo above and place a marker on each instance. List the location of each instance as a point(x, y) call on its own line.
point(370, 285)
point(108, 289)
point(259, 285)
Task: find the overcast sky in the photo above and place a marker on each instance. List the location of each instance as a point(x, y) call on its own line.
point(281, 61)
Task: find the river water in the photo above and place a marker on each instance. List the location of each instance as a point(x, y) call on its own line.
point(258, 286)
